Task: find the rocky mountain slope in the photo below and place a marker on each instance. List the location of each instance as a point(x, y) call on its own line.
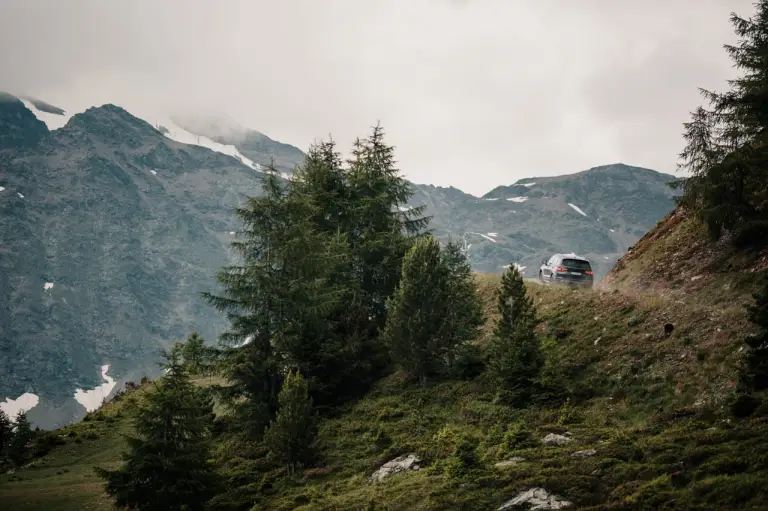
point(597, 213)
point(108, 232)
point(110, 226)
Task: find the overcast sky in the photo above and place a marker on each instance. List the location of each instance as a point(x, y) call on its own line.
point(473, 93)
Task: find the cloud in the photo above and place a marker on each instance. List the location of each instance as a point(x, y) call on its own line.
point(474, 93)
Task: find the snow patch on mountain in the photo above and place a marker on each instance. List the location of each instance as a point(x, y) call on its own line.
point(577, 209)
point(47, 286)
point(23, 404)
point(92, 399)
point(517, 199)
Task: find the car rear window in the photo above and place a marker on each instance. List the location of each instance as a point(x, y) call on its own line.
point(576, 264)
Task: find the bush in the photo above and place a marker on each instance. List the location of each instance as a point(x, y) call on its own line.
point(752, 235)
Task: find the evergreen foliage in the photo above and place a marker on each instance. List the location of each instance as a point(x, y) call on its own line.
point(434, 311)
point(515, 357)
point(290, 436)
point(318, 258)
point(727, 144)
point(6, 434)
point(167, 465)
point(196, 355)
point(753, 373)
point(19, 448)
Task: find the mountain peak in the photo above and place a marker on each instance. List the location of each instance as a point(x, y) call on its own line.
point(18, 126)
point(111, 122)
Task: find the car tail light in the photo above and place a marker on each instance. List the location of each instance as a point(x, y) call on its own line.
point(589, 272)
point(560, 268)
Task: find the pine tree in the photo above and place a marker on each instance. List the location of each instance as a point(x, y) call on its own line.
point(515, 355)
point(291, 435)
point(276, 299)
point(465, 313)
point(727, 145)
point(194, 354)
point(166, 467)
point(384, 228)
point(19, 445)
point(6, 434)
point(415, 331)
point(754, 370)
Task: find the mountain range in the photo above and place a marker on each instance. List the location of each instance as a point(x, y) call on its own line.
point(111, 224)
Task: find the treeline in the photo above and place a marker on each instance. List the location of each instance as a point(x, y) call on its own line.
point(727, 142)
point(339, 283)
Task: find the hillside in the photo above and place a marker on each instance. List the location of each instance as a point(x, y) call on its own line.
point(645, 428)
point(108, 231)
point(111, 225)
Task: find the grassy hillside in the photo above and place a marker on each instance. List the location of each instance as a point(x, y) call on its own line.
point(650, 407)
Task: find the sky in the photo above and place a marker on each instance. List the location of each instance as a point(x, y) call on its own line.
point(472, 93)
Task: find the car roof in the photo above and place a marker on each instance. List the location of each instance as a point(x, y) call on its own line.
point(572, 256)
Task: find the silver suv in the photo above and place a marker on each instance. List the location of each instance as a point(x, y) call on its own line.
point(568, 269)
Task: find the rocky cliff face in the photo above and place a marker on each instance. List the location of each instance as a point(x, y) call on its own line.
point(108, 232)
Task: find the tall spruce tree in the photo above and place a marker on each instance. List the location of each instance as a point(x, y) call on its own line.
point(515, 353)
point(384, 228)
point(291, 435)
point(276, 299)
point(727, 144)
point(166, 467)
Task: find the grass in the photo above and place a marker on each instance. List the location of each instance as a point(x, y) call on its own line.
point(650, 405)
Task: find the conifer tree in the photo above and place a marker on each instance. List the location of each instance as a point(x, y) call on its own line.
point(194, 354)
point(291, 435)
point(753, 376)
point(727, 144)
point(18, 450)
point(166, 467)
point(415, 330)
point(276, 299)
point(465, 312)
point(383, 228)
point(515, 354)
point(6, 433)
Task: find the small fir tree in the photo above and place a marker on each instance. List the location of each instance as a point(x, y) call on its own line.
point(415, 331)
point(291, 435)
point(515, 353)
point(6, 434)
point(166, 467)
point(18, 450)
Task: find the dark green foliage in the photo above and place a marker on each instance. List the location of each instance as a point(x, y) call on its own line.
point(753, 373)
point(290, 436)
point(167, 467)
point(19, 448)
point(6, 433)
point(434, 312)
point(515, 355)
point(196, 355)
point(318, 260)
point(727, 146)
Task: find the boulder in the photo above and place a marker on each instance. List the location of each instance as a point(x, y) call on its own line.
point(537, 499)
point(555, 439)
point(401, 464)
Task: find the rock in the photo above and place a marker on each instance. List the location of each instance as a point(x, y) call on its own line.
point(514, 460)
point(395, 466)
point(555, 439)
point(584, 454)
point(537, 499)
point(598, 340)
